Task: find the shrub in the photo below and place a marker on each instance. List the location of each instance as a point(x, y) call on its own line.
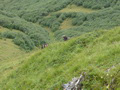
point(24, 42)
point(26, 28)
point(8, 34)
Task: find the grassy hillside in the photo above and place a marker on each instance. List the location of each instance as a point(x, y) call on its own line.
point(85, 16)
point(93, 47)
point(10, 57)
point(93, 53)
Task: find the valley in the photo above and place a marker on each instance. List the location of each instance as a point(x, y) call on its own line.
point(93, 29)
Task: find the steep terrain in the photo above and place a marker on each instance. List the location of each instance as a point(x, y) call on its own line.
point(95, 53)
point(93, 27)
point(10, 57)
point(85, 16)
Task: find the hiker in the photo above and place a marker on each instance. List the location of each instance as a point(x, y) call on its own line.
point(65, 37)
point(44, 46)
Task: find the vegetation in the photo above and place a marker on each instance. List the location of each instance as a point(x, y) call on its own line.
point(26, 25)
point(93, 53)
point(30, 35)
point(97, 4)
point(66, 24)
point(83, 22)
point(74, 8)
point(33, 10)
point(89, 22)
point(11, 57)
point(37, 11)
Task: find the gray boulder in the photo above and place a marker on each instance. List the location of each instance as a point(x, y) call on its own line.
point(75, 84)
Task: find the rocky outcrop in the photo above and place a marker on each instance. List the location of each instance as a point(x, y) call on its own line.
point(75, 84)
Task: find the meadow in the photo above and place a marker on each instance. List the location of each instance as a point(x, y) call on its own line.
point(93, 53)
point(93, 29)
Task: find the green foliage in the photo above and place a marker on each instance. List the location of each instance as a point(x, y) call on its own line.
point(33, 32)
point(7, 14)
point(38, 38)
point(8, 34)
point(104, 19)
point(33, 10)
point(96, 4)
point(19, 39)
point(24, 41)
point(83, 22)
point(93, 53)
point(44, 13)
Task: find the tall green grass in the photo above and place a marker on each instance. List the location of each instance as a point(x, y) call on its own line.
point(11, 57)
point(93, 53)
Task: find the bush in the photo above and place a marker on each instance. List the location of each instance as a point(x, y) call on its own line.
point(96, 7)
point(26, 28)
point(8, 34)
point(24, 42)
point(38, 38)
point(96, 4)
point(19, 39)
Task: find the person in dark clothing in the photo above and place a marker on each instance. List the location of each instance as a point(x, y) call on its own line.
point(65, 38)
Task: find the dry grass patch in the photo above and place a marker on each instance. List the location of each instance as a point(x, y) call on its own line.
point(2, 29)
point(66, 24)
point(74, 8)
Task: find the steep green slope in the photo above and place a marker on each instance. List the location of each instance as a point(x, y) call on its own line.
point(11, 57)
point(93, 53)
point(32, 23)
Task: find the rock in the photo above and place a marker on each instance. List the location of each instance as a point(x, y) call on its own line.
point(75, 84)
